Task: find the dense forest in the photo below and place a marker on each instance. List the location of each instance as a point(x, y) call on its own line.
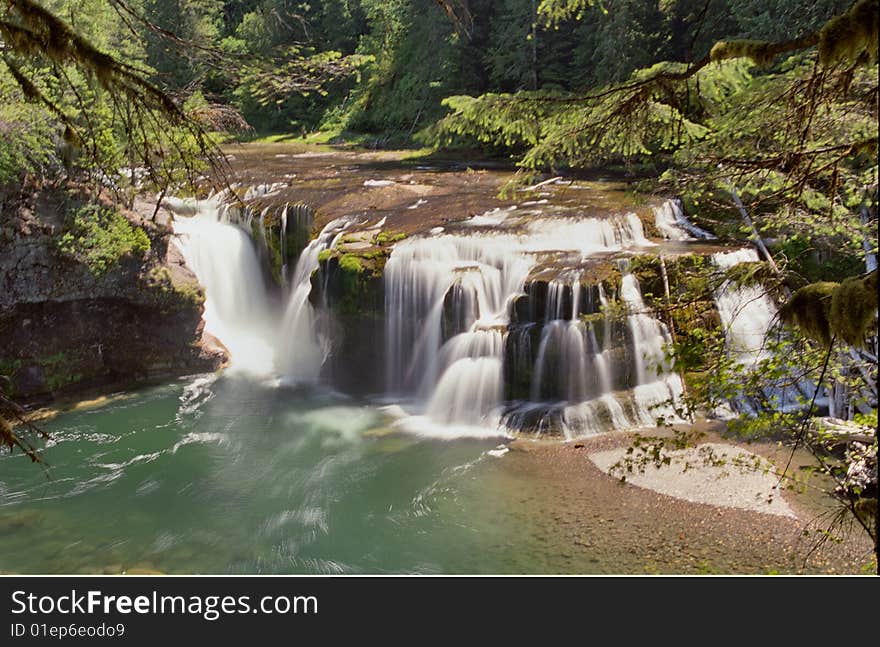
point(760, 116)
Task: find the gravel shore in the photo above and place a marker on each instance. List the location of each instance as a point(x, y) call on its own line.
point(597, 524)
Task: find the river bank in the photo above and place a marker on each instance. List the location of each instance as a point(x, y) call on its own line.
point(589, 515)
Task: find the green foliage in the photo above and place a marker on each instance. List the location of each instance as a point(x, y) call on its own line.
point(61, 370)
point(196, 21)
point(866, 419)
point(100, 237)
point(411, 48)
point(555, 11)
point(781, 19)
point(92, 113)
point(26, 132)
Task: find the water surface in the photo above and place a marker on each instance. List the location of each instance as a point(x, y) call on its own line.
point(230, 475)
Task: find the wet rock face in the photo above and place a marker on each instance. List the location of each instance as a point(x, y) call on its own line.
point(350, 301)
point(60, 347)
point(64, 328)
point(281, 232)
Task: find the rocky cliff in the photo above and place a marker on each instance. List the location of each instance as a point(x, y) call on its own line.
point(92, 296)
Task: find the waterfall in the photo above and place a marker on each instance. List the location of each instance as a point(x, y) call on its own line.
point(652, 395)
point(463, 284)
point(419, 275)
point(448, 300)
point(284, 245)
point(303, 347)
point(570, 363)
point(674, 225)
point(450, 342)
point(648, 335)
point(747, 313)
point(238, 308)
point(747, 316)
point(238, 311)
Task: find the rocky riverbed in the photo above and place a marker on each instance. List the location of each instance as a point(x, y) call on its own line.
point(591, 517)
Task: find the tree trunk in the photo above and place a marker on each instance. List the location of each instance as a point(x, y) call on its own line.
point(756, 237)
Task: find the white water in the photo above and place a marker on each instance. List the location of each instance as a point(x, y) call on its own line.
point(648, 335)
point(460, 287)
point(459, 383)
point(238, 309)
point(645, 405)
point(674, 225)
point(655, 391)
point(303, 348)
point(486, 273)
point(746, 311)
point(448, 302)
point(569, 351)
point(747, 316)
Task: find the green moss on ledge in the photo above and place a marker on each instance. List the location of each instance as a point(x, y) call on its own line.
point(389, 237)
point(350, 263)
point(170, 295)
point(324, 255)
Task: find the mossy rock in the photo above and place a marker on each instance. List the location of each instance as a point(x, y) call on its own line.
point(299, 222)
point(389, 237)
point(170, 295)
point(350, 264)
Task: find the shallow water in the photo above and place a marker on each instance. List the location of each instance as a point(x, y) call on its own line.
point(233, 476)
point(230, 475)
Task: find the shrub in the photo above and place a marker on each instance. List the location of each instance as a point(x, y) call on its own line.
point(100, 237)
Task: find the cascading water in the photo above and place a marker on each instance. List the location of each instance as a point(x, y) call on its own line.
point(448, 302)
point(468, 282)
point(238, 308)
point(655, 389)
point(303, 348)
point(449, 298)
point(648, 334)
point(672, 223)
point(746, 312)
point(747, 316)
point(238, 311)
point(570, 361)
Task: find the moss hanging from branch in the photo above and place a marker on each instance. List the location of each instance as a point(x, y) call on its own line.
point(34, 35)
point(759, 51)
point(846, 37)
point(826, 311)
point(853, 308)
point(809, 309)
